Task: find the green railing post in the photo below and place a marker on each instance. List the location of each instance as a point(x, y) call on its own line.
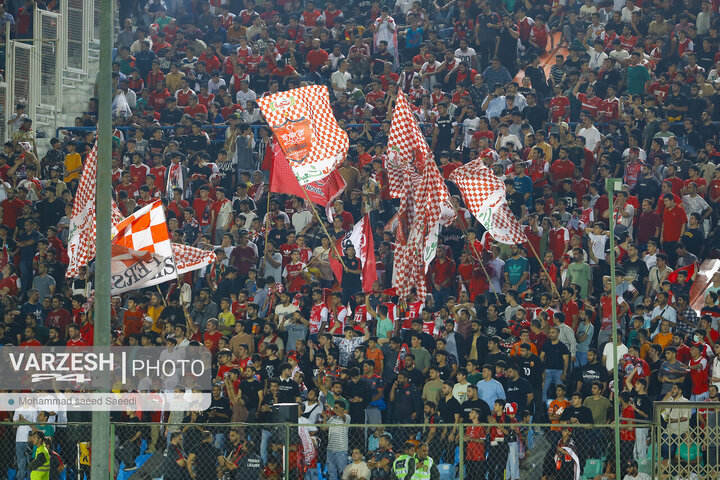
point(286, 459)
point(112, 451)
point(461, 454)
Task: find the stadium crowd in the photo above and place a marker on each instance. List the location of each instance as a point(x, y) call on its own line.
point(504, 337)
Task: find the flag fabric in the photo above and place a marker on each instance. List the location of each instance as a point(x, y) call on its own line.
point(689, 270)
point(302, 121)
point(415, 179)
point(189, 258)
point(361, 238)
point(484, 195)
point(146, 230)
point(282, 180)
point(130, 269)
point(82, 230)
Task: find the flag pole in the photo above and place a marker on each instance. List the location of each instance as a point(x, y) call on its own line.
point(492, 287)
point(322, 224)
point(544, 269)
point(100, 438)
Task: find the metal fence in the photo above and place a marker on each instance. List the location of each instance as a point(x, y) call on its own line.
point(49, 33)
point(307, 451)
point(77, 15)
point(688, 440)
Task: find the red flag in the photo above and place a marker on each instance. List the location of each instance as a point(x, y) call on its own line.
point(361, 238)
point(690, 270)
point(282, 180)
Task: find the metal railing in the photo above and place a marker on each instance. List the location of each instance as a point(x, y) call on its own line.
point(34, 67)
point(688, 440)
point(139, 450)
point(49, 30)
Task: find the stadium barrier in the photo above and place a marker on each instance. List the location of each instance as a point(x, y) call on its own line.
point(688, 440)
point(143, 450)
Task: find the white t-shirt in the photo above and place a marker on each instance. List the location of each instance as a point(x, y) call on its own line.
point(592, 137)
point(597, 243)
point(301, 219)
point(23, 431)
point(610, 362)
point(340, 79)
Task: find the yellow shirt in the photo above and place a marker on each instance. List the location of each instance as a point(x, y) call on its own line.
point(226, 322)
point(155, 312)
point(72, 162)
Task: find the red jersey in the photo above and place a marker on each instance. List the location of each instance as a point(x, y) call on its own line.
point(159, 173)
point(558, 238)
point(660, 91)
point(589, 105)
point(580, 187)
point(360, 315)
point(202, 210)
point(559, 109)
point(318, 315)
point(562, 169)
point(699, 377)
point(183, 97)
point(475, 451)
point(627, 434)
point(138, 174)
point(413, 312)
point(610, 109)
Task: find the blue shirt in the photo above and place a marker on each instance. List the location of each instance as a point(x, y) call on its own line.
point(524, 185)
point(515, 268)
point(489, 391)
point(492, 76)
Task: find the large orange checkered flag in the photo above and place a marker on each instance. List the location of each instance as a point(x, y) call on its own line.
point(484, 195)
point(146, 230)
point(303, 124)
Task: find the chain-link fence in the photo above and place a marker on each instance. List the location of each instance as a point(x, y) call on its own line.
point(688, 440)
point(325, 447)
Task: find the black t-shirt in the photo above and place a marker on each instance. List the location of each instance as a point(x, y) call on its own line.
point(249, 466)
point(517, 391)
point(554, 355)
point(352, 280)
point(220, 406)
point(531, 369)
point(444, 125)
point(583, 415)
point(173, 471)
point(448, 408)
point(535, 116)
point(250, 392)
point(205, 460)
point(637, 269)
point(515, 201)
point(589, 373)
point(288, 391)
point(270, 367)
point(480, 405)
point(644, 404)
point(494, 358)
point(647, 188)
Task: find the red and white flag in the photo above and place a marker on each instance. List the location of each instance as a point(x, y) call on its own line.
point(131, 269)
point(302, 122)
point(146, 230)
point(189, 258)
point(82, 230)
point(484, 195)
point(361, 238)
point(415, 179)
point(282, 180)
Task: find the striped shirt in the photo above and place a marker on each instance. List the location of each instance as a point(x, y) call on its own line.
point(338, 436)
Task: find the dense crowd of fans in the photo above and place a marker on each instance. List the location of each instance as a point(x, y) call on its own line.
point(504, 337)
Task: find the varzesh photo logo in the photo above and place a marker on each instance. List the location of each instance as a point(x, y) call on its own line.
point(106, 378)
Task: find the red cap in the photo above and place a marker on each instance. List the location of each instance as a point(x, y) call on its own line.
point(511, 408)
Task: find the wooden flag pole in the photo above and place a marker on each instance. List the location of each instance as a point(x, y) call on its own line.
point(322, 224)
point(544, 269)
point(492, 287)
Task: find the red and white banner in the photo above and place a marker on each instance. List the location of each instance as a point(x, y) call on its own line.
point(282, 180)
point(415, 179)
point(82, 231)
point(146, 230)
point(189, 258)
point(361, 238)
point(302, 122)
point(484, 195)
point(131, 269)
